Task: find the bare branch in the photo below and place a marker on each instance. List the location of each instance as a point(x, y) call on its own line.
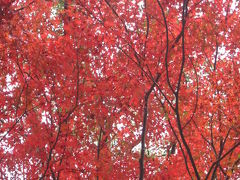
point(141, 160)
point(167, 41)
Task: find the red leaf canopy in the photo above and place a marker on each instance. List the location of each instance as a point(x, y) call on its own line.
point(120, 89)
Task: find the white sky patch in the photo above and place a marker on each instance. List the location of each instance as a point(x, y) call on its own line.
point(10, 86)
point(45, 118)
point(120, 126)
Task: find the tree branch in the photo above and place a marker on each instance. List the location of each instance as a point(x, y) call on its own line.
point(167, 47)
point(141, 160)
point(178, 119)
point(221, 158)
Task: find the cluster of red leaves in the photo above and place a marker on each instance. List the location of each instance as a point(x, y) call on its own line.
point(84, 84)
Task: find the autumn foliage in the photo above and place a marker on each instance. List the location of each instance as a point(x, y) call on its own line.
point(117, 89)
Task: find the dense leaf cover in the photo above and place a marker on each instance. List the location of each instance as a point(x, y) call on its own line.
point(119, 89)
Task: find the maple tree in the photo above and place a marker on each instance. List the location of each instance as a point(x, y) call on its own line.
point(119, 89)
